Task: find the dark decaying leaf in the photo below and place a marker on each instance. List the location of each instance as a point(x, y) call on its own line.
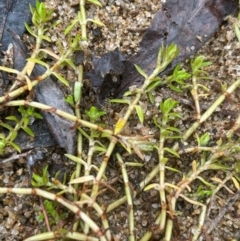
point(13, 14)
point(188, 23)
point(5, 7)
point(110, 84)
point(79, 57)
point(48, 92)
point(42, 137)
point(107, 73)
point(112, 62)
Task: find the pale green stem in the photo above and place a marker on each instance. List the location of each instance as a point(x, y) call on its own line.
point(162, 180)
point(208, 112)
point(195, 97)
point(102, 169)
point(189, 179)
point(119, 127)
point(116, 204)
point(69, 205)
point(196, 149)
point(122, 121)
point(58, 112)
point(87, 171)
point(79, 136)
point(143, 183)
point(187, 134)
point(100, 212)
point(129, 198)
point(16, 128)
point(84, 23)
point(33, 55)
point(19, 91)
point(147, 236)
point(57, 236)
point(200, 223)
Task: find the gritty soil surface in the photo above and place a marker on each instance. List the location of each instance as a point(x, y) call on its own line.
point(125, 23)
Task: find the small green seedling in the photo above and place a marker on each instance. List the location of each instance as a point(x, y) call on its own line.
point(27, 115)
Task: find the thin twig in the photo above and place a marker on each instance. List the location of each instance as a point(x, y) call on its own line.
point(229, 204)
point(14, 157)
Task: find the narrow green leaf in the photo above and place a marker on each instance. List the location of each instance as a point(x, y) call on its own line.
point(49, 52)
point(174, 115)
point(60, 78)
point(174, 88)
point(156, 122)
point(236, 183)
point(34, 18)
point(201, 193)
point(69, 27)
point(122, 101)
point(94, 114)
point(37, 115)
point(237, 166)
point(140, 71)
point(134, 164)
point(96, 21)
point(172, 169)
point(151, 186)
point(70, 63)
point(237, 31)
point(127, 146)
point(153, 85)
point(40, 217)
point(30, 30)
point(150, 97)
point(14, 145)
point(69, 100)
point(171, 151)
point(173, 129)
point(128, 93)
point(26, 121)
point(164, 160)
point(140, 114)
point(77, 91)
point(2, 145)
point(77, 159)
point(146, 146)
point(34, 184)
point(96, 2)
point(218, 166)
point(6, 126)
point(46, 38)
point(9, 70)
point(205, 182)
point(82, 179)
point(204, 139)
point(38, 179)
point(38, 61)
point(45, 175)
point(12, 118)
point(28, 131)
point(32, 9)
point(99, 149)
point(13, 135)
